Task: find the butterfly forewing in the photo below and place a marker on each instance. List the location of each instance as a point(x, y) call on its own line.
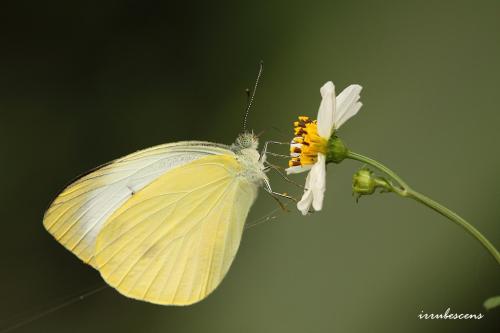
point(78, 213)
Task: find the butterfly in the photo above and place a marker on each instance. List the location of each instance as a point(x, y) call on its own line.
point(163, 224)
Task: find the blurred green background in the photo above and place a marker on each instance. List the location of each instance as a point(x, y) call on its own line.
point(82, 83)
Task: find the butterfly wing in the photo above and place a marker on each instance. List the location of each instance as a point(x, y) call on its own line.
point(173, 241)
point(78, 213)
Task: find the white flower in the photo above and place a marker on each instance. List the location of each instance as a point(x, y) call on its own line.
point(309, 147)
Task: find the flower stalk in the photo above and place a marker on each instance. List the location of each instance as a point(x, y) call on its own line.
point(405, 191)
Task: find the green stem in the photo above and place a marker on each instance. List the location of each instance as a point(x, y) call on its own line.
point(407, 192)
point(355, 156)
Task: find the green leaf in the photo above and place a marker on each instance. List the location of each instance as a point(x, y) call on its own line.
point(491, 303)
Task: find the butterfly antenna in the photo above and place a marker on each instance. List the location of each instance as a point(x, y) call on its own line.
point(250, 100)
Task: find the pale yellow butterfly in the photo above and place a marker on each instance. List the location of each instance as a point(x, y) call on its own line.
point(163, 224)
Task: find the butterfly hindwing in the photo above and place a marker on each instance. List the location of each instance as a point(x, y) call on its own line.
point(173, 241)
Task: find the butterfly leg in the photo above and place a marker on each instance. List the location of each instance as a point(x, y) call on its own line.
point(264, 149)
point(277, 195)
point(277, 155)
point(277, 169)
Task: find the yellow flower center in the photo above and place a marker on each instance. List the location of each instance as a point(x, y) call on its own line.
point(306, 144)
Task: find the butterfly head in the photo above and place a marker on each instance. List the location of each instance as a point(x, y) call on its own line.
point(246, 140)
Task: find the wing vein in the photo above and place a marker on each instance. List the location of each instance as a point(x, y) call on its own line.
point(152, 244)
point(188, 234)
point(140, 221)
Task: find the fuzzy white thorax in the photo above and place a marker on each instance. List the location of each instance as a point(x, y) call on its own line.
point(245, 147)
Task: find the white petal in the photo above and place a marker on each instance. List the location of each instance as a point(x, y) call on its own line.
point(347, 104)
point(351, 112)
point(318, 182)
point(307, 185)
point(298, 169)
point(315, 187)
point(326, 110)
point(305, 203)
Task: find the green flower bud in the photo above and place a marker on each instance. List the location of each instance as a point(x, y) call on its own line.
point(364, 182)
